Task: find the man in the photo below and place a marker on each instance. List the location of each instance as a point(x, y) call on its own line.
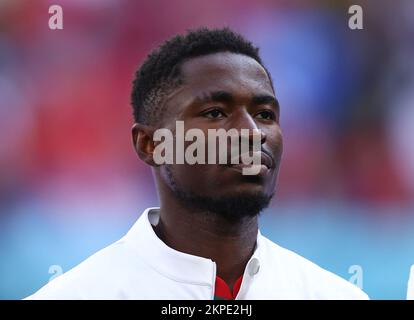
point(203, 242)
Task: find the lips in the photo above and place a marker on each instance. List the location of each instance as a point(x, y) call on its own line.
point(265, 159)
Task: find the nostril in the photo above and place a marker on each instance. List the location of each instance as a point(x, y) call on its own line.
point(263, 138)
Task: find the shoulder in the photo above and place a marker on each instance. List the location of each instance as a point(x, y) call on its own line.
point(103, 272)
point(310, 279)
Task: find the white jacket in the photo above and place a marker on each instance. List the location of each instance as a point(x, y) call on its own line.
point(141, 266)
point(410, 288)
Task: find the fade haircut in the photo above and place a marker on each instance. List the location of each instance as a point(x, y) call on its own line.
point(160, 73)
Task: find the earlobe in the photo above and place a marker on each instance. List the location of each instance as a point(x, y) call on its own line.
point(142, 139)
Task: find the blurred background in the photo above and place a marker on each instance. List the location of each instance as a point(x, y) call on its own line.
point(70, 182)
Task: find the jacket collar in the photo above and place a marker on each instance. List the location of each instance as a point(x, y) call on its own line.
point(173, 264)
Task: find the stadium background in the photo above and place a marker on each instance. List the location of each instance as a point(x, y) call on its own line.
point(70, 182)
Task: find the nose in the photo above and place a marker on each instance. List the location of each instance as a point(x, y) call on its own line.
point(244, 120)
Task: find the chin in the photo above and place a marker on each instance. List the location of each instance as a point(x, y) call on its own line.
point(227, 196)
point(232, 206)
point(250, 187)
point(243, 203)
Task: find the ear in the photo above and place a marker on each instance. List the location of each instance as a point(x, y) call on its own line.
point(142, 138)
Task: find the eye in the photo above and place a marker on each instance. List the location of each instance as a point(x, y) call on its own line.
point(214, 114)
point(266, 115)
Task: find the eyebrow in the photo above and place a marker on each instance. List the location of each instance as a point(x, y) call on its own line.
point(215, 96)
point(265, 99)
point(227, 97)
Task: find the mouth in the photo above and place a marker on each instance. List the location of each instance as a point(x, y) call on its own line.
point(265, 160)
point(253, 169)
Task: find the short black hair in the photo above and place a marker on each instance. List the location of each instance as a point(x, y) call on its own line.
point(160, 72)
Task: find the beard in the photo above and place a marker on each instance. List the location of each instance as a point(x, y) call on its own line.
point(232, 207)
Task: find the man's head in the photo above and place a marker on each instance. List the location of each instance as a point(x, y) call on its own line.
point(209, 79)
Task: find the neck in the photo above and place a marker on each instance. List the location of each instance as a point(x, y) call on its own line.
point(230, 244)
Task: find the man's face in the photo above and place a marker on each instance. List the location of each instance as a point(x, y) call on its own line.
point(229, 91)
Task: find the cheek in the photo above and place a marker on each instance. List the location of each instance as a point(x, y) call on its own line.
point(192, 177)
point(279, 144)
point(274, 142)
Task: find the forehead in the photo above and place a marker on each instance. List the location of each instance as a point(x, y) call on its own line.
point(227, 71)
